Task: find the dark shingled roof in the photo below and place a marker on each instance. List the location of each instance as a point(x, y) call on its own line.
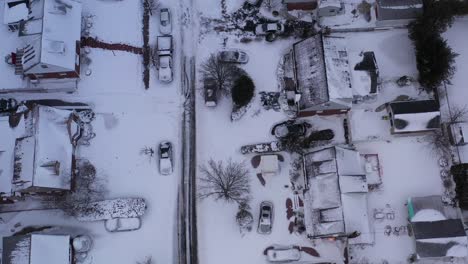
point(414, 107)
point(438, 229)
point(392, 9)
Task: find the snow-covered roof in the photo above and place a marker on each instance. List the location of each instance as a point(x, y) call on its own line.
point(50, 249)
point(269, 164)
point(310, 72)
point(57, 44)
point(459, 132)
point(44, 159)
point(398, 9)
point(337, 68)
point(37, 249)
point(438, 228)
point(15, 11)
point(336, 199)
point(414, 116)
point(330, 3)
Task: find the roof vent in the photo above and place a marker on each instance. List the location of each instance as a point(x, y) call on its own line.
point(55, 46)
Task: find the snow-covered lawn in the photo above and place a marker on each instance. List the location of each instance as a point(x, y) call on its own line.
point(128, 119)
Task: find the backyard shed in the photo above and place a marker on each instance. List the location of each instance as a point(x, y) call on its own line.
point(37, 249)
point(397, 12)
point(330, 8)
point(438, 229)
point(414, 116)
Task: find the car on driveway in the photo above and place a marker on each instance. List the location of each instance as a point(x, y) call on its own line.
point(233, 55)
point(283, 254)
point(122, 224)
point(265, 222)
point(290, 128)
point(165, 158)
point(211, 94)
point(165, 25)
point(165, 69)
point(269, 28)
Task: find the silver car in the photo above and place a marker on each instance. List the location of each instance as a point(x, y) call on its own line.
point(233, 55)
point(165, 25)
point(265, 221)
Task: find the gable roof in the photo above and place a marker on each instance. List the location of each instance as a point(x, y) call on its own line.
point(398, 9)
point(438, 228)
point(336, 201)
point(414, 107)
point(58, 35)
point(36, 249)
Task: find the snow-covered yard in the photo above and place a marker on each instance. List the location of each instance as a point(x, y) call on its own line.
point(128, 119)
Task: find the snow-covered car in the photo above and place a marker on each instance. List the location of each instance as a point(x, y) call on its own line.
point(290, 128)
point(265, 221)
point(233, 55)
point(165, 69)
point(122, 224)
point(268, 28)
point(165, 158)
point(280, 254)
point(165, 25)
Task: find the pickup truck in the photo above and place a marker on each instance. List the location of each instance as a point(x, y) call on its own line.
point(164, 52)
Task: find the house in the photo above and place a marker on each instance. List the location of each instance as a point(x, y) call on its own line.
point(49, 34)
point(397, 12)
point(330, 8)
point(459, 173)
point(458, 133)
point(321, 74)
point(438, 230)
point(300, 4)
point(335, 197)
point(37, 249)
point(413, 116)
point(40, 159)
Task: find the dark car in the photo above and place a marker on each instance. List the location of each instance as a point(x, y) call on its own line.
point(165, 158)
point(265, 221)
point(290, 128)
point(326, 134)
point(211, 96)
point(8, 105)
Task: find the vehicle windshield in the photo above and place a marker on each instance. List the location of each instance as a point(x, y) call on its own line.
point(265, 27)
point(164, 62)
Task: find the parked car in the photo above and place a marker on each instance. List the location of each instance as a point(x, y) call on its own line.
point(265, 221)
point(165, 69)
point(7, 105)
point(211, 92)
point(290, 128)
point(122, 224)
point(267, 28)
point(164, 53)
point(282, 254)
point(165, 158)
point(325, 134)
point(233, 55)
point(165, 25)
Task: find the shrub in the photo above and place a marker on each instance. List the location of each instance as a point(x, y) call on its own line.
point(242, 91)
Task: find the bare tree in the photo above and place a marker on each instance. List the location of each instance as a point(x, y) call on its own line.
point(244, 217)
point(439, 143)
point(147, 260)
point(222, 73)
point(458, 114)
point(230, 183)
point(86, 188)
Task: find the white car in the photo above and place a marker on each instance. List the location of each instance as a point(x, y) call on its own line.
point(165, 158)
point(267, 28)
point(165, 25)
point(122, 224)
point(265, 221)
point(280, 254)
point(165, 68)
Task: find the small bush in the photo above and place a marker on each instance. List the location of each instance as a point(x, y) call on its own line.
point(242, 91)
